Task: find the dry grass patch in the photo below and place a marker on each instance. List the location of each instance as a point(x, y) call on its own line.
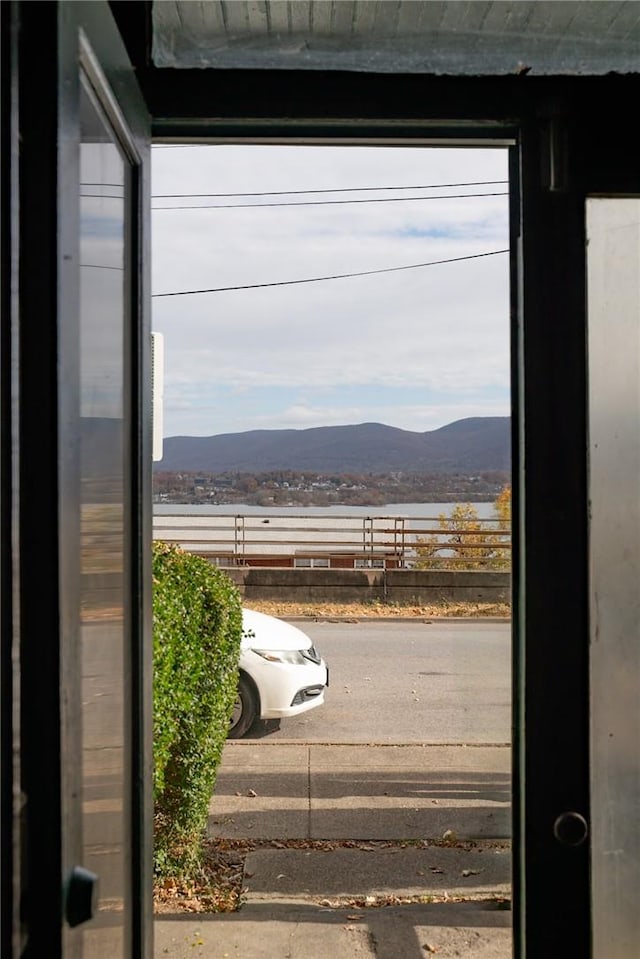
point(217, 888)
point(378, 610)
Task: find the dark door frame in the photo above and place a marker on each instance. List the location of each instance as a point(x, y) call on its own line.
point(571, 142)
point(41, 76)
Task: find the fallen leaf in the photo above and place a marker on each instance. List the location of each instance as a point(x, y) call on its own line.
point(282, 875)
point(471, 872)
point(429, 948)
point(252, 793)
point(353, 918)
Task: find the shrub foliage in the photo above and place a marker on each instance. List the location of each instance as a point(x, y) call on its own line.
point(197, 627)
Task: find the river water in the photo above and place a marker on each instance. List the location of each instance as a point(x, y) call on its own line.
point(409, 510)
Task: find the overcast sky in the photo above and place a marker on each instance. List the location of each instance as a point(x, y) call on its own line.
point(416, 349)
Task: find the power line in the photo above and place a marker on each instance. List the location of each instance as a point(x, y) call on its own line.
point(337, 276)
point(101, 266)
point(346, 189)
point(387, 199)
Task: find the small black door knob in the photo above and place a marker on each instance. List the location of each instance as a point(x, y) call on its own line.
point(571, 829)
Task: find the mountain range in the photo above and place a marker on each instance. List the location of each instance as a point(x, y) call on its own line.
point(473, 445)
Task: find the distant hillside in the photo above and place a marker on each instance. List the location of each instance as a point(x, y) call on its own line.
point(471, 445)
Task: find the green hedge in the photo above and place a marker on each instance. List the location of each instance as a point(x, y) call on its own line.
point(197, 628)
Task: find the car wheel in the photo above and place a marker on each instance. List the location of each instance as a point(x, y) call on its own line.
point(245, 708)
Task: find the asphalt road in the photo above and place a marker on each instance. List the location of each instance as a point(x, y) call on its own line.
point(407, 682)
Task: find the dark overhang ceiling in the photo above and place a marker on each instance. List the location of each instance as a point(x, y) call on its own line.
point(451, 38)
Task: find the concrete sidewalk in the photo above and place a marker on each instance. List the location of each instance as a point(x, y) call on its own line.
point(374, 818)
point(361, 792)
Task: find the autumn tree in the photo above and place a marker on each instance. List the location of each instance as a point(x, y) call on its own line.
point(502, 509)
point(463, 541)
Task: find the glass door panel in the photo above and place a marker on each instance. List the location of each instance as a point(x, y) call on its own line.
point(103, 566)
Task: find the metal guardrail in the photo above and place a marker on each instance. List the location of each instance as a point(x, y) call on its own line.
point(242, 538)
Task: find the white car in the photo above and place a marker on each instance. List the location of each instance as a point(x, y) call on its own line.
point(281, 674)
